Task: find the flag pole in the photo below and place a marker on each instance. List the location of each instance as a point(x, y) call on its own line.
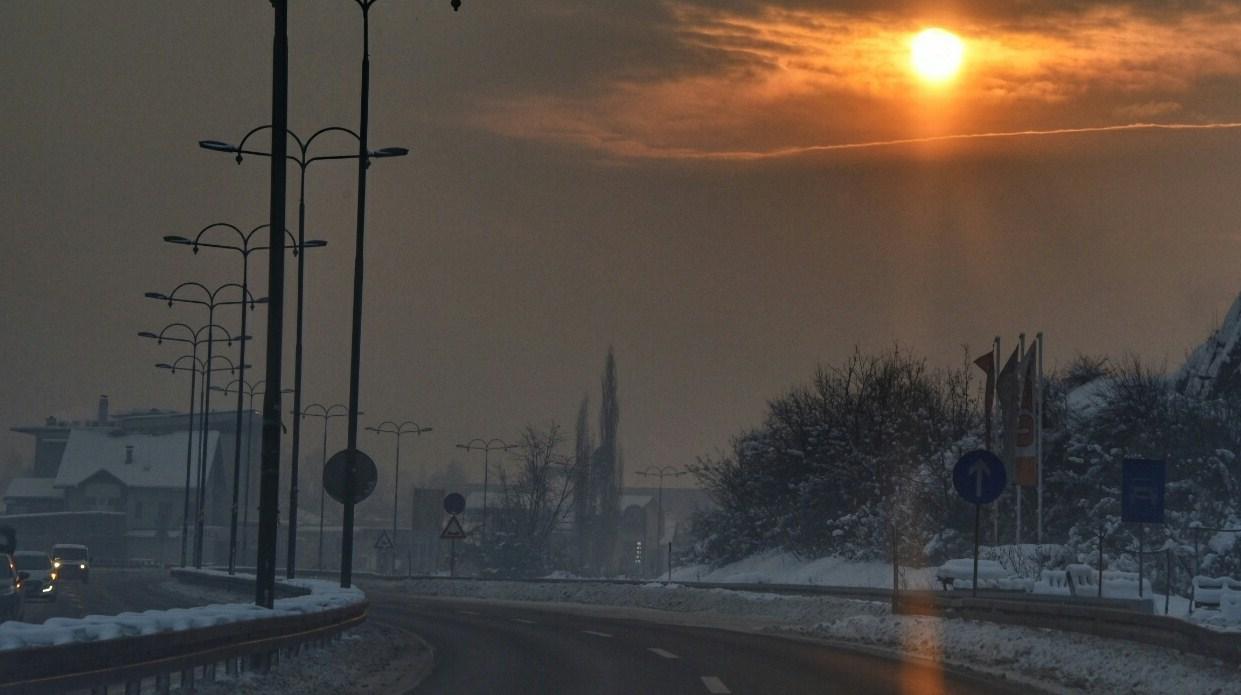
point(995, 507)
point(1021, 347)
point(1038, 429)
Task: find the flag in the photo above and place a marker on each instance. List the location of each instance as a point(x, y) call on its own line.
point(987, 364)
point(1008, 389)
point(1027, 425)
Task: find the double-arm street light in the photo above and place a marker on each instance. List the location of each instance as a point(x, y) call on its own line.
point(206, 368)
point(250, 389)
point(326, 413)
point(661, 472)
point(193, 338)
point(210, 299)
point(243, 245)
point(486, 446)
point(303, 160)
point(398, 431)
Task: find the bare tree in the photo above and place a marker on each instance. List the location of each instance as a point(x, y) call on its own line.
point(534, 503)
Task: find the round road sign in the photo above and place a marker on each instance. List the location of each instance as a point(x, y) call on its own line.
point(979, 477)
point(454, 503)
point(364, 476)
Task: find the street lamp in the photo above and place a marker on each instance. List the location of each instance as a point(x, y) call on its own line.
point(661, 472)
point(303, 161)
point(327, 413)
point(251, 389)
point(245, 248)
point(210, 299)
point(389, 427)
point(205, 368)
point(486, 446)
point(195, 337)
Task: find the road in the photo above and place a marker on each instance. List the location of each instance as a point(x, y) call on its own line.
point(109, 592)
point(486, 647)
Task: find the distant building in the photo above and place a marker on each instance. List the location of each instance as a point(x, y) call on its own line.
point(135, 464)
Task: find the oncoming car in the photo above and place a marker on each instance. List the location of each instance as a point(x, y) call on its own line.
point(38, 575)
point(71, 561)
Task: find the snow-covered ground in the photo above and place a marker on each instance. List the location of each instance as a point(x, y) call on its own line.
point(323, 595)
point(785, 568)
point(1056, 661)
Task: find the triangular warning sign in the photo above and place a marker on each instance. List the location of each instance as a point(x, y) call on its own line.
point(384, 542)
point(453, 531)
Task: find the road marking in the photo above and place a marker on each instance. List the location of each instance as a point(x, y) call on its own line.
point(596, 634)
point(522, 621)
point(662, 652)
point(715, 685)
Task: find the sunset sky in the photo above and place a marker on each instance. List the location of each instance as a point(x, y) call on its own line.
point(729, 193)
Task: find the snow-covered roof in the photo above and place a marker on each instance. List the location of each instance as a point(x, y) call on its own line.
point(158, 461)
point(33, 488)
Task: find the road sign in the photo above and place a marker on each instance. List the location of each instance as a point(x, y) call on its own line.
point(1142, 491)
point(384, 542)
point(453, 531)
point(979, 477)
point(454, 503)
point(364, 477)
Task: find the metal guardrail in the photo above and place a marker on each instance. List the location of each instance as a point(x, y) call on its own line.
point(126, 664)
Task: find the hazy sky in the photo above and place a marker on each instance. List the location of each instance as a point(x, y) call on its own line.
point(657, 176)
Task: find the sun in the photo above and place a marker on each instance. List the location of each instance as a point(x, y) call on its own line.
point(936, 54)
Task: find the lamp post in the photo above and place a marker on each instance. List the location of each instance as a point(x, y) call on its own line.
point(303, 160)
point(486, 446)
point(195, 338)
point(245, 248)
point(355, 347)
point(326, 413)
point(389, 427)
point(203, 367)
point(210, 299)
point(251, 389)
point(661, 472)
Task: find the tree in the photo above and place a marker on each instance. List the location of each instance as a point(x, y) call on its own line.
point(533, 504)
point(584, 509)
point(607, 474)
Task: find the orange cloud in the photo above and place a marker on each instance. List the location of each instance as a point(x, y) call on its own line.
point(791, 80)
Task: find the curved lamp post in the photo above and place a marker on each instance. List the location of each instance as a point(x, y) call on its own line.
point(398, 431)
point(486, 446)
point(210, 299)
point(193, 338)
point(303, 160)
point(250, 389)
point(206, 368)
point(244, 247)
point(326, 413)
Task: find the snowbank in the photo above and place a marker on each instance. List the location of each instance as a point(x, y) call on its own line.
point(323, 596)
point(776, 567)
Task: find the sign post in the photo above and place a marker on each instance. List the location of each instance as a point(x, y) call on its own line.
point(1143, 483)
point(979, 478)
point(454, 504)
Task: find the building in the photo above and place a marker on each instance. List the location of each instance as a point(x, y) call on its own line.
point(142, 465)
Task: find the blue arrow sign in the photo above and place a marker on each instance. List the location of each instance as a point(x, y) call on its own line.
point(979, 477)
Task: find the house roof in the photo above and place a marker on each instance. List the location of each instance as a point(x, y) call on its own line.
point(33, 488)
point(158, 461)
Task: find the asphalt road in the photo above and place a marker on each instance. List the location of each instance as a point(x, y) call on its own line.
point(497, 648)
point(109, 592)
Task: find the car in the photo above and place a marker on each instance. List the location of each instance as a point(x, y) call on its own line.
point(71, 561)
point(38, 575)
point(11, 602)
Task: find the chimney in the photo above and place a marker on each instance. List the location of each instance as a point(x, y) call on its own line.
point(103, 410)
point(129, 454)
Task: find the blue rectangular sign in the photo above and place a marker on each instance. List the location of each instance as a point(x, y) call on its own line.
point(1142, 491)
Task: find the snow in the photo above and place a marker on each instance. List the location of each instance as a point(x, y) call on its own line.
point(324, 595)
point(777, 567)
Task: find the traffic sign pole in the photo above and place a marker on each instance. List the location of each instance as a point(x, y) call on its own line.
point(452, 558)
point(977, 524)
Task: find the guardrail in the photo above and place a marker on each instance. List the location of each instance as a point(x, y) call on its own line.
point(126, 664)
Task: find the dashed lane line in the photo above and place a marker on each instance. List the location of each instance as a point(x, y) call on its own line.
point(523, 621)
point(715, 685)
point(467, 613)
point(662, 652)
point(596, 634)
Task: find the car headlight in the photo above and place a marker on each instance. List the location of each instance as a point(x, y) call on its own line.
point(56, 564)
point(52, 576)
point(82, 566)
point(49, 588)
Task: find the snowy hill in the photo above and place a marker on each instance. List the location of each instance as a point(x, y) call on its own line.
point(1214, 367)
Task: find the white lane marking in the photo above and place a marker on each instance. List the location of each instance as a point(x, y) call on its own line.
point(715, 685)
point(467, 612)
point(662, 652)
point(522, 620)
point(596, 634)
